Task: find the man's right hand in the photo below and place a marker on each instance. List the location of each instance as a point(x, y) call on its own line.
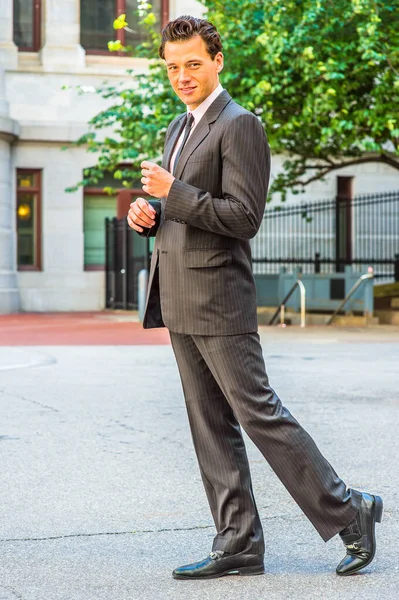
point(141, 214)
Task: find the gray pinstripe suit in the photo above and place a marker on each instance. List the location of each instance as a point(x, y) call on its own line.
point(201, 287)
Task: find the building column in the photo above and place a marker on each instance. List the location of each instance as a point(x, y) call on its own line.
point(8, 50)
point(9, 130)
point(62, 49)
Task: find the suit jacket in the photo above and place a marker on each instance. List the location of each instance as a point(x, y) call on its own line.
point(201, 278)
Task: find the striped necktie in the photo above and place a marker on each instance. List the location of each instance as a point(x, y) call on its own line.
point(187, 129)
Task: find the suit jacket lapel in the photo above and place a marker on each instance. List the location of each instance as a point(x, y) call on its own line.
point(201, 131)
point(174, 136)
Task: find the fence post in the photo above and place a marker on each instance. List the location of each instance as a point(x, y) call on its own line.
point(124, 268)
point(107, 275)
point(396, 267)
point(343, 222)
point(142, 295)
point(317, 263)
point(116, 259)
point(111, 250)
point(369, 295)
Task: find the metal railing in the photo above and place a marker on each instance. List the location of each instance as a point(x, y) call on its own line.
point(281, 307)
point(349, 295)
point(326, 236)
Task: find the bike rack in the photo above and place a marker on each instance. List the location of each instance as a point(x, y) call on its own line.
point(358, 283)
point(281, 306)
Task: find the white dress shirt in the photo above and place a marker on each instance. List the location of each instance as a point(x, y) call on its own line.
point(197, 113)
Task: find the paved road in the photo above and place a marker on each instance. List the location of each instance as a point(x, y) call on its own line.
point(100, 494)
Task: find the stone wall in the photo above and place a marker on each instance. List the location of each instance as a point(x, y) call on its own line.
point(37, 118)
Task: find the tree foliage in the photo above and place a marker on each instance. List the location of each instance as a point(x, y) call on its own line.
point(322, 75)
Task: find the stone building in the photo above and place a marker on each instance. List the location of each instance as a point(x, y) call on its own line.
point(52, 242)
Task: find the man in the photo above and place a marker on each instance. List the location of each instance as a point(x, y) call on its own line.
point(213, 185)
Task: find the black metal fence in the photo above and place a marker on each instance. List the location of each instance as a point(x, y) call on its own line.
point(326, 236)
point(317, 236)
point(126, 254)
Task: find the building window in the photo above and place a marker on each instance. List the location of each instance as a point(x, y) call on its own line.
point(27, 15)
point(29, 219)
point(97, 17)
point(97, 207)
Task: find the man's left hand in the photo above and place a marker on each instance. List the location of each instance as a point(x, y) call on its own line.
point(156, 180)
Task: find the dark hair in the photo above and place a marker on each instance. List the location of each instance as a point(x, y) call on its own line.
point(185, 27)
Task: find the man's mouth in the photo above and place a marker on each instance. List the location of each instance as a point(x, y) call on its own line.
point(185, 90)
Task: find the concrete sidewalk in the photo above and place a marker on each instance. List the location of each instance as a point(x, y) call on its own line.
point(124, 328)
point(101, 496)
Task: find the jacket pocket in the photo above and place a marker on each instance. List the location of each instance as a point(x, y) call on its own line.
point(197, 258)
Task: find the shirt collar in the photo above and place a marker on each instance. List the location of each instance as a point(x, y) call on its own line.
point(199, 112)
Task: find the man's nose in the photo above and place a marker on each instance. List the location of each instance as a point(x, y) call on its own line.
point(184, 75)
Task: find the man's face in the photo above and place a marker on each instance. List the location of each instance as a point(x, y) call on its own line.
point(191, 70)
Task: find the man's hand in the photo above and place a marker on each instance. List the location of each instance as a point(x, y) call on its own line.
point(156, 180)
point(141, 214)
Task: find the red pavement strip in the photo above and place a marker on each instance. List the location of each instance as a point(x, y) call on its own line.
point(76, 329)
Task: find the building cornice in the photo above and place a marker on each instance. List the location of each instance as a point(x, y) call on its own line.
point(10, 129)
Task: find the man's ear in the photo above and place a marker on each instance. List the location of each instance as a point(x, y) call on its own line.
point(220, 58)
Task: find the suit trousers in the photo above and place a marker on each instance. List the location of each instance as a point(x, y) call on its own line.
point(225, 385)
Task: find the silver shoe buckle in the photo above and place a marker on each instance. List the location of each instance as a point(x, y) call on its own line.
point(354, 546)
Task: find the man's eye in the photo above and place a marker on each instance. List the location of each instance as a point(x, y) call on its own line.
point(171, 68)
point(194, 65)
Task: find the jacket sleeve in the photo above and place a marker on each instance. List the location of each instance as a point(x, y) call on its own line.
point(245, 157)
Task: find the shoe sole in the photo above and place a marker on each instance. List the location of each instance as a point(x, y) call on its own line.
point(244, 571)
point(378, 510)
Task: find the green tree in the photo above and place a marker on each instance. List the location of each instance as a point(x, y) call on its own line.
point(322, 75)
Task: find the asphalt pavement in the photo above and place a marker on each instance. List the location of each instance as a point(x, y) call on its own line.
point(101, 496)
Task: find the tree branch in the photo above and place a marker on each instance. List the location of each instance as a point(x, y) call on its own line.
point(391, 65)
point(317, 177)
point(385, 159)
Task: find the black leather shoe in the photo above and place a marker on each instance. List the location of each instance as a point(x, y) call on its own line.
point(359, 536)
point(218, 564)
